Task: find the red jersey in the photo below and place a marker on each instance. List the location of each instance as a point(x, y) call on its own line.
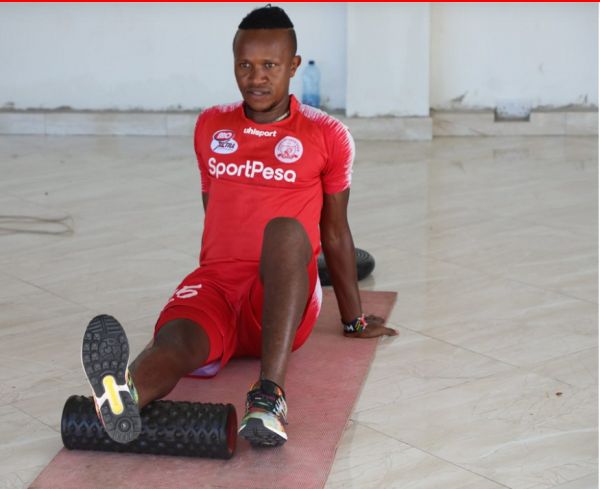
point(256, 172)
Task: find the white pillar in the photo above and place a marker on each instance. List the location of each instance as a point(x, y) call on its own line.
point(388, 59)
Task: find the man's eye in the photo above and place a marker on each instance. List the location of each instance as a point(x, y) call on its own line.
point(245, 66)
point(269, 65)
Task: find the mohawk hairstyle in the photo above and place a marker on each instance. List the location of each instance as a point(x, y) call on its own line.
point(269, 17)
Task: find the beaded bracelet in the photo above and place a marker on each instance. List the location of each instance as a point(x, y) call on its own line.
point(357, 325)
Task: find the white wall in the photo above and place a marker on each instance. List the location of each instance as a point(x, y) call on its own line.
point(544, 54)
point(375, 59)
point(388, 59)
point(149, 56)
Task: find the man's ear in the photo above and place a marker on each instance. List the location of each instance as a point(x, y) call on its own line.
point(296, 62)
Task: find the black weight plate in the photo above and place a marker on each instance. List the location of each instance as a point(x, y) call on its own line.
point(365, 264)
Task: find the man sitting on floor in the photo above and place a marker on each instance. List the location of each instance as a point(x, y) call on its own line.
point(275, 186)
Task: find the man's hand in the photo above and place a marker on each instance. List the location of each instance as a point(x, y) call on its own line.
point(375, 328)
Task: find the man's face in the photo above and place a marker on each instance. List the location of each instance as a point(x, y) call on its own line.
point(264, 65)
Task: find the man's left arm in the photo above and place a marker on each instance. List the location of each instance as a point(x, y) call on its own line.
point(338, 248)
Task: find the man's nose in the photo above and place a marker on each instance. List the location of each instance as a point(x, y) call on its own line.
point(258, 75)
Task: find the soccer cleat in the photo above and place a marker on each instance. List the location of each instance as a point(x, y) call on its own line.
point(104, 354)
point(266, 413)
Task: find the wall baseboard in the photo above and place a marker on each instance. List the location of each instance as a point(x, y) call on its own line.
point(542, 123)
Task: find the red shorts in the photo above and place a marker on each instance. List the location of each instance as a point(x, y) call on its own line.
point(226, 300)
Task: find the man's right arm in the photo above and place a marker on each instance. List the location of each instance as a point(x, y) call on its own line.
point(199, 136)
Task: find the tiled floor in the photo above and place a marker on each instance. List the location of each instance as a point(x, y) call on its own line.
point(491, 243)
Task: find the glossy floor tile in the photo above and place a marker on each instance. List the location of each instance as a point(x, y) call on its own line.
point(491, 244)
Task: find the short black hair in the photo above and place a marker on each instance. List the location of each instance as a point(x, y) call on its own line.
point(269, 17)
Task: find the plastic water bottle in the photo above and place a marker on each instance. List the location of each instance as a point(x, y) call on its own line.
point(311, 79)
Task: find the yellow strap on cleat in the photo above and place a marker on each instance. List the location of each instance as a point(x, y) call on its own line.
point(112, 391)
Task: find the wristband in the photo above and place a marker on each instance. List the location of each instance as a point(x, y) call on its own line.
point(357, 325)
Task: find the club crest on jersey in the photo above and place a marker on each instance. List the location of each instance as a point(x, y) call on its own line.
point(289, 150)
point(223, 142)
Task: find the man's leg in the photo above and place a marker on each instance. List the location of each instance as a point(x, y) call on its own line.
point(285, 257)
point(120, 392)
point(180, 347)
point(284, 260)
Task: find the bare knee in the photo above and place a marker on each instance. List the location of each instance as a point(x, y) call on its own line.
point(184, 339)
point(286, 236)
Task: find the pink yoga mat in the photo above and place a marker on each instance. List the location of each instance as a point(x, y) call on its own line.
point(324, 379)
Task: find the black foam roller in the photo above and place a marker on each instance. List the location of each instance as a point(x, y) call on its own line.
point(365, 264)
point(187, 429)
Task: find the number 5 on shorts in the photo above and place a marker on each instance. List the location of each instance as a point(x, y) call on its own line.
point(186, 292)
